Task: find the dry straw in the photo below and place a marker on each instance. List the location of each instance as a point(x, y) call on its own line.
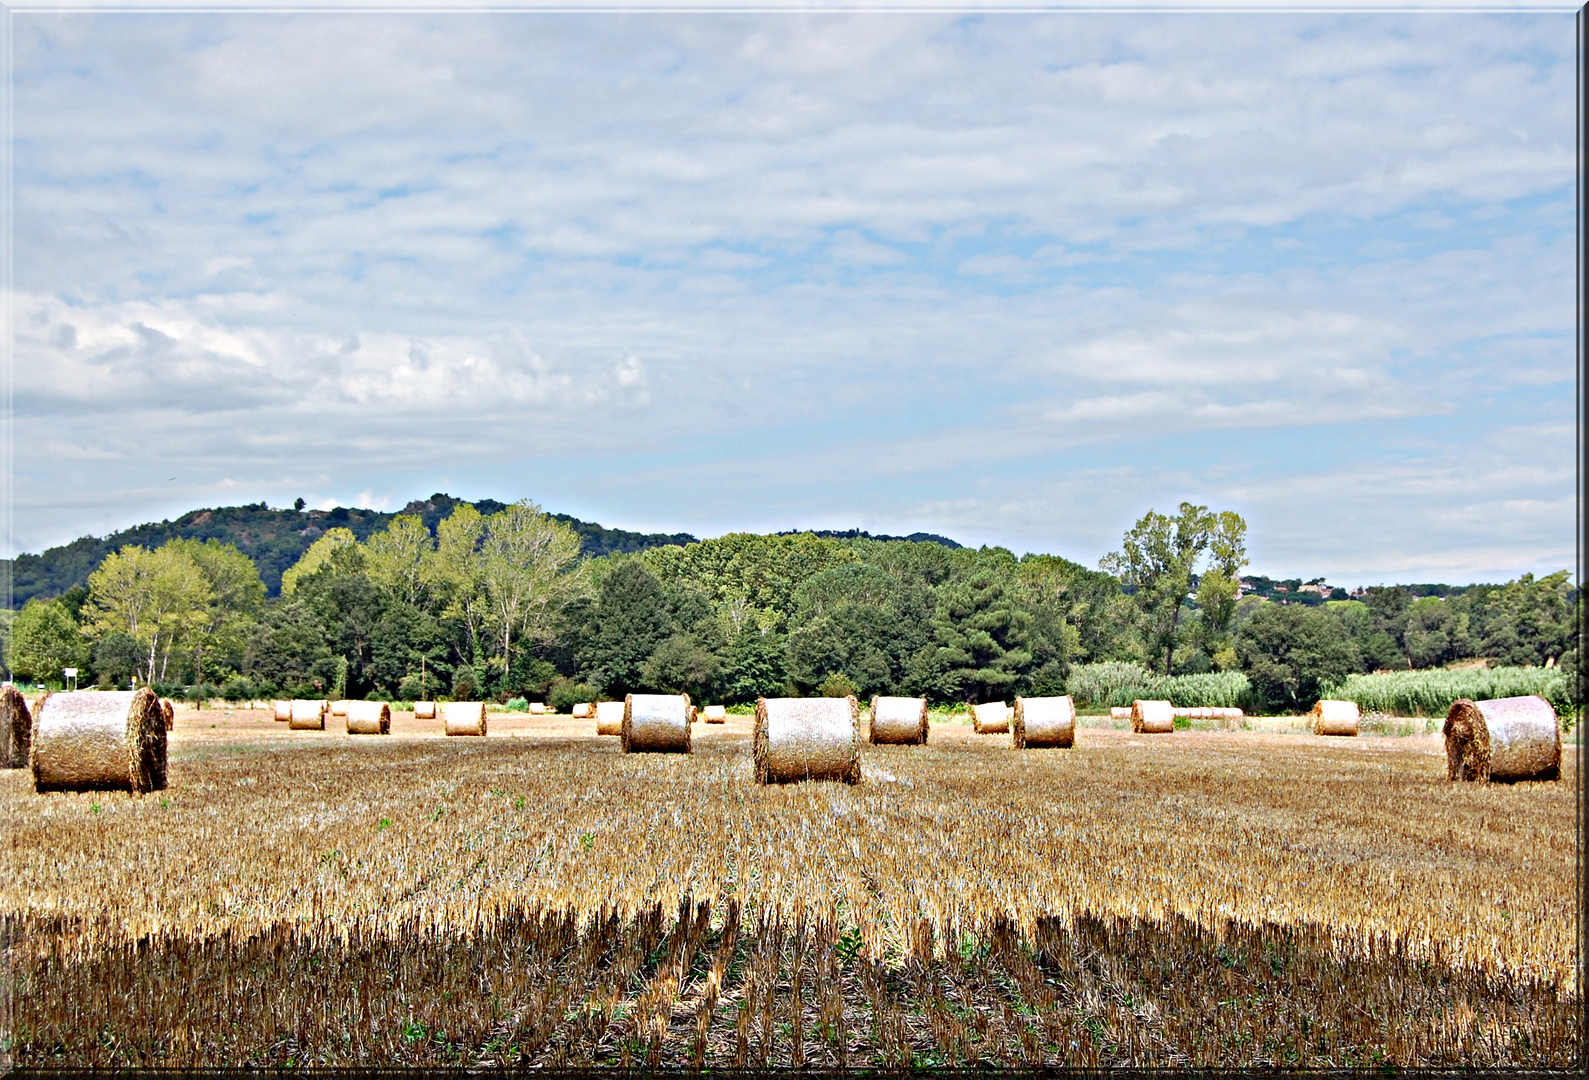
point(1334, 717)
point(537, 708)
point(168, 713)
point(92, 740)
point(899, 720)
point(464, 717)
point(284, 711)
point(308, 715)
point(716, 714)
point(1152, 717)
point(1514, 738)
point(16, 729)
point(424, 710)
point(583, 711)
point(807, 739)
point(992, 718)
point(339, 708)
point(656, 723)
point(369, 718)
point(1120, 712)
point(609, 718)
point(1044, 721)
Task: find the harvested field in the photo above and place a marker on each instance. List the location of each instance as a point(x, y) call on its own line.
point(1222, 898)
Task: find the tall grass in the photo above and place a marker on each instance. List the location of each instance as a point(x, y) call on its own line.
point(1115, 683)
point(1430, 693)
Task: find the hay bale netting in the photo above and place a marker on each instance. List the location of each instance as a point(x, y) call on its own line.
point(537, 708)
point(716, 714)
point(1120, 712)
point(168, 713)
point(609, 718)
point(424, 710)
point(284, 711)
point(583, 711)
point(1334, 718)
point(463, 717)
point(656, 723)
point(899, 720)
point(369, 718)
point(992, 718)
point(807, 739)
point(16, 729)
point(309, 715)
point(1515, 738)
point(1043, 721)
point(1152, 717)
point(96, 739)
point(339, 708)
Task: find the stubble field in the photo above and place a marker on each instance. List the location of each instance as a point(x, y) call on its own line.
point(539, 898)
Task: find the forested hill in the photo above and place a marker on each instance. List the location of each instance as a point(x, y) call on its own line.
point(275, 539)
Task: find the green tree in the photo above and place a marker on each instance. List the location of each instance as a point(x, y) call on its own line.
point(1157, 560)
point(158, 598)
point(1291, 652)
point(236, 595)
point(44, 640)
point(455, 573)
point(628, 621)
point(1218, 589)
point(529, 568)
point(326, 547)
point(395, 558)
point(981, 642)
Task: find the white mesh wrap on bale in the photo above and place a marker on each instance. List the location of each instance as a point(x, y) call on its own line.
point(16, 729)
point(283, 711)
point(656, 723)
point(807, 739)
point(463, 717)
point(369, 718)
point(91, 740)
point(1120, 712)
point(899, 720)
point(424, 710)
point(1516, 738)
point(308, 715)
point(716, 714)
point(992, 718)
point(1152, 717)
point(1334, 718)
point(609, 718)
point(537, 708)
point(583, 711)
point(339, 708)
point(1044, 721)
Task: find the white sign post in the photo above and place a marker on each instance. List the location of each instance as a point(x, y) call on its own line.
point(71, 677)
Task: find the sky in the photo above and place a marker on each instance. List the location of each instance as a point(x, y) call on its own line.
point(1014, 278)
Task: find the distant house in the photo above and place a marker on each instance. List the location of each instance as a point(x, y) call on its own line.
point(1312, 588)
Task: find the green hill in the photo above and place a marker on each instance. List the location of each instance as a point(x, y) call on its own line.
point(274, 539)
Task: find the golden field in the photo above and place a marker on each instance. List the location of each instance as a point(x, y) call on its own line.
point(537, 897)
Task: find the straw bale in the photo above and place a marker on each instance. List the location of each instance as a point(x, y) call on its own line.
point(168, 713)
point(1044, 721)
point(284, 711)
point(807, 739)
point(463, 717)
point(1226, 713)
point(656, 723)
point(339, 708)
point(716, 714)
point(309, 715)
point(694, 714)
point(899, 720)
point(16, 729)
point(583, 711)
point(609, 718)
point(1120, 712)
point(369, 718)
point(1514, 738)
point(992, 718)
point(93, 740)
point(424, 710)
point(537, 708)
point(1334, 717)
point(1152, 717)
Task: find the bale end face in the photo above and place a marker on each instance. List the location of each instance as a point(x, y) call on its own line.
point(16, 728)
point(168, 714)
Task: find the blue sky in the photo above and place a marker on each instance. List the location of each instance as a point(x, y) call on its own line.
point(1014, 278)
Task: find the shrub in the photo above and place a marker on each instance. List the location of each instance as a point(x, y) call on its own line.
point(517, 704)
point(1431, 692)
point(837, 684)
point(464, 685)
point(1112, 683)
point(238, 688)
point(566, 693)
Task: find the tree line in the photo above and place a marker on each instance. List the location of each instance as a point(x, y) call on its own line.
point(507, 603)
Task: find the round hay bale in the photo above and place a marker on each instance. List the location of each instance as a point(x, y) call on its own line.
point(1334, 718)
point(1120, 712)
point(993, 718)
point(1152, 717)
point(309, 715)
point(1227, 713)
point(92, 740)
point(168, 713)
point(583, 711)
point(464, 717)
point(16, 729)
point(899, 720)
point(1514, 738)
point(424, 710)
point(609, 718)
point(1044, 721)
point(339, 708)
point(537, 708)
point(716, 714)
point(807, 739)
point(284, 711)
point(655, 723)
point(369, 718)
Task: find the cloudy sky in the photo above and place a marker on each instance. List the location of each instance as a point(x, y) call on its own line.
point(1014, 278)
